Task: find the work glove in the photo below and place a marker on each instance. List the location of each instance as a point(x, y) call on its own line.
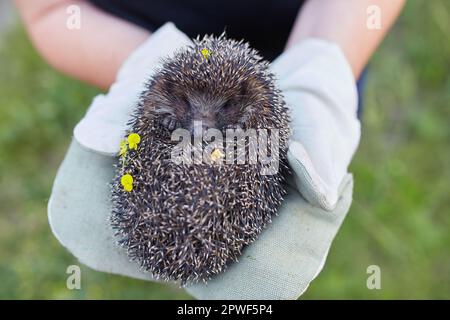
point(280, 264)
point(320, 90)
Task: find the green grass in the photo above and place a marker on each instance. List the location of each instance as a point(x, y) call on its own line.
point(399, 219)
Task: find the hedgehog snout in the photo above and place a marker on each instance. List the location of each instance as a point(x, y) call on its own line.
point(200, 125)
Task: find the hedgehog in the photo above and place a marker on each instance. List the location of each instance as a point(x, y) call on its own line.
point(188, 220)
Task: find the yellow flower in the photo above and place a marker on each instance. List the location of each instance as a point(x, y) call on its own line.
point(127, 182)
point(123, 147)
point(133, 140)
point(206, 53)
point(216, 155)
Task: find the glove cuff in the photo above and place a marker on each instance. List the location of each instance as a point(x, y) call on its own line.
point(326, 61)
point(166, 40)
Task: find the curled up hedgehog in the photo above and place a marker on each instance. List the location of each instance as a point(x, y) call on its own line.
point(192, 188)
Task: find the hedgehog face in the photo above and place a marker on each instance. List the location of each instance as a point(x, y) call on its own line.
point(193, 110)
point(230, 88)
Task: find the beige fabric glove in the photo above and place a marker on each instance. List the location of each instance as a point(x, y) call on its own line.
point(280, 264)
point(320, 89)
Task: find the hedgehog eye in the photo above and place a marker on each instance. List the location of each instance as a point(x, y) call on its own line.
point(186, 103)
point(170, 122)
point(226, 105)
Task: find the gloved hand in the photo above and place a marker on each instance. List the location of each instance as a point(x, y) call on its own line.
point(319, 87)
point(105, 123)
point(280, 264)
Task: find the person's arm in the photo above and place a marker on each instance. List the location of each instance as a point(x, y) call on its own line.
point(344, 22)
point(93, 53)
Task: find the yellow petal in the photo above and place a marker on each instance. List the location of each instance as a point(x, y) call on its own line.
point(134, 138)
point(217, 154)
point(128, 187)
point(126, 180)
point(123, 147)
point(206, 53)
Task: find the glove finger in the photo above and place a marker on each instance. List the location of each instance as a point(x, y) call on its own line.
point(307, 180)
point(105, 123)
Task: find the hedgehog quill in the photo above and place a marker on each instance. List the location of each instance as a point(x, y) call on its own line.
point(187, 220)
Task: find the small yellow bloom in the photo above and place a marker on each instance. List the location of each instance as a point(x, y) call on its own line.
point(133, 140)
point(206, 53)
point(127, 182)
point(123, 147)
point(216, 155)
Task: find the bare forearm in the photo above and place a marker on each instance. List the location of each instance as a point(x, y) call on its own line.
point(345, 23)
point(93, 53)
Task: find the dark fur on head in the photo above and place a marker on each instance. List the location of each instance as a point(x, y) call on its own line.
point(229, 88)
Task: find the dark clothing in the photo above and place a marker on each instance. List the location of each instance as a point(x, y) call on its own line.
point(265, 24)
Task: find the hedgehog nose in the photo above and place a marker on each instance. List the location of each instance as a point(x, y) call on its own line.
point(199, 127)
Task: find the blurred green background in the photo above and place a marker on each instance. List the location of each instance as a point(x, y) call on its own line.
point(399, 219)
